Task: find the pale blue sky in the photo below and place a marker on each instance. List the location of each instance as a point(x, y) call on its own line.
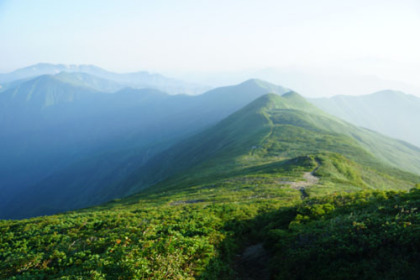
point(369, 37)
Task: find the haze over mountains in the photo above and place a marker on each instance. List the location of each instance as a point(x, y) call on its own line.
point(254, 140)
point(53, 129)
point(137, 183)
point(102, 80)
point(392, 113)
point(315, 83)
point(73, 137)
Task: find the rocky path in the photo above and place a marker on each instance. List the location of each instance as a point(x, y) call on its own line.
point(310, 180)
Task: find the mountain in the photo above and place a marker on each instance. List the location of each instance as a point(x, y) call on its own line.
point(101, 146)
point(42, 92)
point(277, 189)
point(392, 113)
point(48, 125)
point(55, 131)
point(89, 81)
point(138, 80)
point(34, 71)
point(33, 139)
point(270, 129)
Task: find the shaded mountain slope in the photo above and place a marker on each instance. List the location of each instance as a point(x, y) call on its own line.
point(268, 132)
point(138, 80)
point(231, 187)
point(79, 143)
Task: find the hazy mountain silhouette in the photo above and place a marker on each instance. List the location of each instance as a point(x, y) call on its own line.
point(392, 113)
point(141, 79)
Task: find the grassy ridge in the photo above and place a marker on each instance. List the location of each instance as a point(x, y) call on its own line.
point(271, 129)
point(242, 182)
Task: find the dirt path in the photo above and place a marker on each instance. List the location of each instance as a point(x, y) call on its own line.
point(252, 264)
point(310, 180)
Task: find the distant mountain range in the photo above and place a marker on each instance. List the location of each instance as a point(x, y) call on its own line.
point(73, 136)
point(52, 130)
point(244, 181)
point(392, 113)
point(100, 79)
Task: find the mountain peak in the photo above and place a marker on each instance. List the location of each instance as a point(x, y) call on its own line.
point(262, 84)
point(265, 86)
point(44, 91)
point(289, 100)
point(265, 101)
point(296, 97)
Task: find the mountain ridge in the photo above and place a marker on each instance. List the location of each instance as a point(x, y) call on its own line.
point(44, 90)
point(285, 121)
point(259, 107)
point(185, 187)
point(140, 79)
point(130, 118)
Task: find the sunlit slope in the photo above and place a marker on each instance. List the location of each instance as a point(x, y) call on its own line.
point(257, 177)
point(272, 129)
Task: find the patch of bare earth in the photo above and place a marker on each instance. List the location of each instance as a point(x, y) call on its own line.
point(310, 180)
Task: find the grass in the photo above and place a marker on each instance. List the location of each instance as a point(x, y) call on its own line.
point(227, 188)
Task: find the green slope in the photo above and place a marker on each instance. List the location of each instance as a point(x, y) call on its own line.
point(271, 130)
point(73, 152)
point(258, 176)
point(274, 129)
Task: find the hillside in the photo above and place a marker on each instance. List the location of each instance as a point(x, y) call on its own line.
point(48, 124)
point(392, 113)
point(268, 129)
point(256, 181)
point(272, 129)
point(57, 132)
point(269, 132)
